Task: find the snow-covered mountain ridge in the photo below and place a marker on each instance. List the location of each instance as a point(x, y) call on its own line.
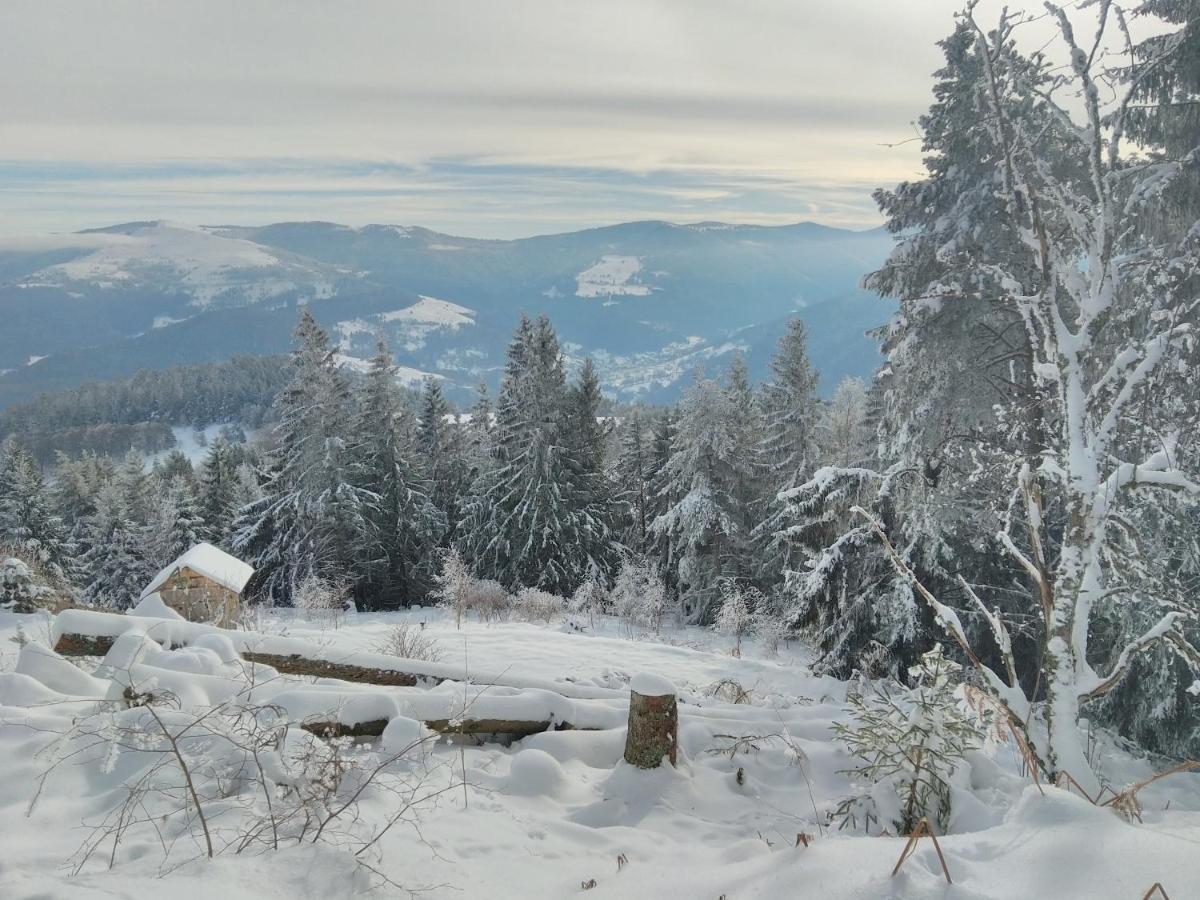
point(649, 300)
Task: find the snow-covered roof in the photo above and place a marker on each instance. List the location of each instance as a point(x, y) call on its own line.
point(215, 565)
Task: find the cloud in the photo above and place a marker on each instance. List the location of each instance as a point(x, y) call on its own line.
point(456, 114)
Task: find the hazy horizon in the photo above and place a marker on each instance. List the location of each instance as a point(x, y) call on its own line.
point(468, 118)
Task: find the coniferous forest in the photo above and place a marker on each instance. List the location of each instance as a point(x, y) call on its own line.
point(1014, 496)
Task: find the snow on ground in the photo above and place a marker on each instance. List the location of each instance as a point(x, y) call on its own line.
point(206, 264)
point(408, 328)
point(610, 276)
point(194, 444)
point(432, 311)
point(544, 816)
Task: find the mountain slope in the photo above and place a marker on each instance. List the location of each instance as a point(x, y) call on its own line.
point(650, 300)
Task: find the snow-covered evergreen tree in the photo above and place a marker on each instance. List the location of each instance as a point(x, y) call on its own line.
point(27, 519)
point(314, 516)
point(441, 445)
point(714, 474)
point(631, 473)
point(789, 445)
point(396, 563)
point(116, 566)
point(219, 490)
point(524, 525)
point(176, 524)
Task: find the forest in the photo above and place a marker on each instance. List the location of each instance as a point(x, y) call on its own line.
point(1019, 480)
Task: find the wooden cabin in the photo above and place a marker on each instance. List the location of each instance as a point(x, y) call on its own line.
point(203, 585)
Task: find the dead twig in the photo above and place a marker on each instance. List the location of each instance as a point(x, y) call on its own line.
point(923, 829)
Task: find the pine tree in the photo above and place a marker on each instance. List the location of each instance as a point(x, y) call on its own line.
point(441, 448)
point(313, 518)
point(116, 567)
point(396, 567)
point(524, 526)
point(584, 441)
point(632, 476)
point(27, 519)
point(789, 446)
point(706, 529)
point(175, 465)
point(176, 524)
point(218, 491)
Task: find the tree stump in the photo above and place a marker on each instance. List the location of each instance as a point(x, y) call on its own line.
point(653, 722)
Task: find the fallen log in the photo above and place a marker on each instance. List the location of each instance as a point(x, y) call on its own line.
point(81, 632)
point(75, 644)
point(517, 728)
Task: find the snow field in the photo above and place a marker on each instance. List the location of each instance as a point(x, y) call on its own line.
point(543, 816)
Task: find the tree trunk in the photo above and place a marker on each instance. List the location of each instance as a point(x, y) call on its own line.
point(653, 728)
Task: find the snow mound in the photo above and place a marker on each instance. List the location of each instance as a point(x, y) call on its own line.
point(649, 685)
point(152, 606)
point(43, 664)
point(402, 733)
point(17, 689)
point(534, 773)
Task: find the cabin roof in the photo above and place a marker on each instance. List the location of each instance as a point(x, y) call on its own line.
point(206, 560)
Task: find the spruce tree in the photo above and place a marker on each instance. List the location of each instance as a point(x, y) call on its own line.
point(789, 445)
point(313, 519)
point(441, 447)
point(116, 566)
point(524, 525)
point(632, 476)
point(27, 519)
point(397, 563)
point(711, 476)
point(218, 491)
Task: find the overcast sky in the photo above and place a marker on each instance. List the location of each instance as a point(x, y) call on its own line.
point(481, 117)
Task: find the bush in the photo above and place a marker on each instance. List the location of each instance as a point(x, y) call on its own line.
point(534, 605)
point(321, 599)
point(912, 742)
point(26, 587)
point(409, 641)
point(589, 599)
point(639, 596)
point(488, 600)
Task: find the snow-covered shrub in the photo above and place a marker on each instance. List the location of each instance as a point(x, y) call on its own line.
point(24, 587)
point(771, 629)
point(322, 600)
point(410, 641)
point(534, 605)
point(736, 617)
point(911, 743)
point(488, 600)
point(589, 599)
point(639, 596)
point(238, 778)
point(452, 584)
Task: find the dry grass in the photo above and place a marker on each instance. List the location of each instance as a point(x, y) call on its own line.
point(409, 641)
point(923, 829)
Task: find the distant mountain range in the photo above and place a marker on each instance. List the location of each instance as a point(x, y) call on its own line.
point(650, 301)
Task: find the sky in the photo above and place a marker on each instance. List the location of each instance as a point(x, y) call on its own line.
point(474, 117)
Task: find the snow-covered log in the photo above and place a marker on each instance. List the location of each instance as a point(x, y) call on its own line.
point(81, 632)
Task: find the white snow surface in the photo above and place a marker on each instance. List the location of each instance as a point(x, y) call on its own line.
point(539, 818)
point(650, 685)
point(152, 606)
point(432, 311)
point(209, 561)
point(612, 275)
point(205, 264)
